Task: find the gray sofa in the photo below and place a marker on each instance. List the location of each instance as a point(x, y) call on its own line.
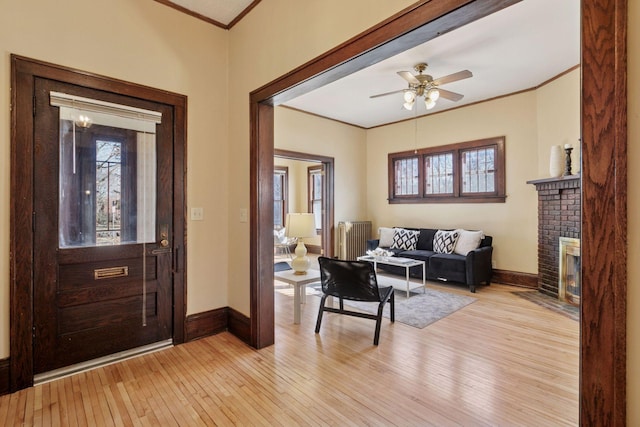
point(472, 269)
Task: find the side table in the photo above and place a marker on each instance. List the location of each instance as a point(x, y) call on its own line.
point(299, 283)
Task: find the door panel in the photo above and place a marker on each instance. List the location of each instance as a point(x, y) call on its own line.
point(103, 203)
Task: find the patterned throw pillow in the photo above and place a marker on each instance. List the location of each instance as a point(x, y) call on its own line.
point(405, 239)
point(445, 241)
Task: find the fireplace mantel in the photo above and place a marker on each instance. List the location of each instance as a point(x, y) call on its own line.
point(558, 216)
point(566, 179)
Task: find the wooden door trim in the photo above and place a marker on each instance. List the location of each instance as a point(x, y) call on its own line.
point(604, 177)
point(23, 74)
point(328, 234)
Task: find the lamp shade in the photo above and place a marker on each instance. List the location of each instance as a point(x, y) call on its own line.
point(300, 225)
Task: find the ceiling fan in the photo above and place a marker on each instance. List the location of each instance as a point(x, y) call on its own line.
point(425, 85)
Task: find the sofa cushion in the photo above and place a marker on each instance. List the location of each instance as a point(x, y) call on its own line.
point(418, 254)
point(468, 241)
point(405, 239)
point(448, 266)
point(444, 241)
point(425, 240)
point(386, 236)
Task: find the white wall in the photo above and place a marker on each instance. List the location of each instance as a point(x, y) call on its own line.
point(296, 131)
point(513, 224)
point(276, 37)
point(531, 122)
point(555, 126)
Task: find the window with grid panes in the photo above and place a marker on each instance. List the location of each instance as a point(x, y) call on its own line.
point(280, 179)
point(315, 175)
point(466, 172)
point(406, 175)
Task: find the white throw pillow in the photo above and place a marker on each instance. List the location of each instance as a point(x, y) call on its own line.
point(386, 237)
point(405, 239)
point(445, 241)
point(468, 241)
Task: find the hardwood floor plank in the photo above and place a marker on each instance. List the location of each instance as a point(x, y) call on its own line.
point(501, 360)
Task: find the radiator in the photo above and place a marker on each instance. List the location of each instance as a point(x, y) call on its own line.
point(352, 238)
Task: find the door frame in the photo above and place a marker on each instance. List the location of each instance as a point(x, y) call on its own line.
point(603, 101)
point(328, 222)
point(23, 74)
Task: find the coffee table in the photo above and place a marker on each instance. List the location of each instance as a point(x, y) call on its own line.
point(407, 263)
point(299, 283)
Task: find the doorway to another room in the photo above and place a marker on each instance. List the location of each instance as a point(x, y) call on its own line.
point(303, 183)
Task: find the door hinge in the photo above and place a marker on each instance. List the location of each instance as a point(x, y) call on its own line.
point(33, 331)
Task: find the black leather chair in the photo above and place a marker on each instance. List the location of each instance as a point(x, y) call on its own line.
point(353, 280)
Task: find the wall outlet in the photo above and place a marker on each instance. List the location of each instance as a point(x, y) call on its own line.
point(197, 214)
point(493, 263)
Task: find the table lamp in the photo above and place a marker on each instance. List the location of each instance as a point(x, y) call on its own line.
point(300, 225)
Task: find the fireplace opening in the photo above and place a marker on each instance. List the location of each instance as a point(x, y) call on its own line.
point(569, 271)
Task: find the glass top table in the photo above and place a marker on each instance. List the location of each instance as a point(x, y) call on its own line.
point(407, 263)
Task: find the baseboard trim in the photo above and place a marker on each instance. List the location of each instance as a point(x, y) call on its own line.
point(515, 278)
point(213, 322)
point(5, 386)
point(207, 323)
point(239, 325)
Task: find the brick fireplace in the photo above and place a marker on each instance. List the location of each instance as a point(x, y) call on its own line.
point(558, 216)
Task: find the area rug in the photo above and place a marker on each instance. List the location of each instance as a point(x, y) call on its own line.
point(281, 266)
point(419, 310)
point(551, 303)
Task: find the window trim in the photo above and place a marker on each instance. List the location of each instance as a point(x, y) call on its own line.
point(284, 171)
point(317, 170)
point(498, 196)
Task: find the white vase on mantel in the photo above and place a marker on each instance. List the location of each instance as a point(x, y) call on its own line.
point(556, 161)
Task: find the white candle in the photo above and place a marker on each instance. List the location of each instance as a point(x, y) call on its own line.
point(568, 146)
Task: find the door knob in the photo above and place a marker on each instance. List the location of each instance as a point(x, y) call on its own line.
point(164, 243)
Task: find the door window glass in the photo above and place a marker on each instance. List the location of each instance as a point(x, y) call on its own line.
point(107, 173)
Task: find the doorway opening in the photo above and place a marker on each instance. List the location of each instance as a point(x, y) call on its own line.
point(604, 139)
point(320, 203)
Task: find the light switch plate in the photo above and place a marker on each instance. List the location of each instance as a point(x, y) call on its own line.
point(197, 214)
point(244, 215)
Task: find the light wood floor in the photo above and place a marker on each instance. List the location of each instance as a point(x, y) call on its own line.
point(501, 361)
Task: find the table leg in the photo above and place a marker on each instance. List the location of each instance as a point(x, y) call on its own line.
point(407, 270)
point(296, 304)
point(424, 277)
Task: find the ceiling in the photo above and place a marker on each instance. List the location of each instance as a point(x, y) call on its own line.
point(223, 13)
point(515, 49)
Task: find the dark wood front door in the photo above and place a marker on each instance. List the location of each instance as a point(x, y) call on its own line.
point(103, 224)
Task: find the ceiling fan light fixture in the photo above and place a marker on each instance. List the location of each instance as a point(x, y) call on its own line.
point(433, 94)
point(409, 96)
point(408, 105)
point(429, 103)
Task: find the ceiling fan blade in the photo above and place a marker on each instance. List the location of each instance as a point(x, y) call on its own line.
point(387, 93)
point(465, 74)
point(451, 96)
point(409, 77)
